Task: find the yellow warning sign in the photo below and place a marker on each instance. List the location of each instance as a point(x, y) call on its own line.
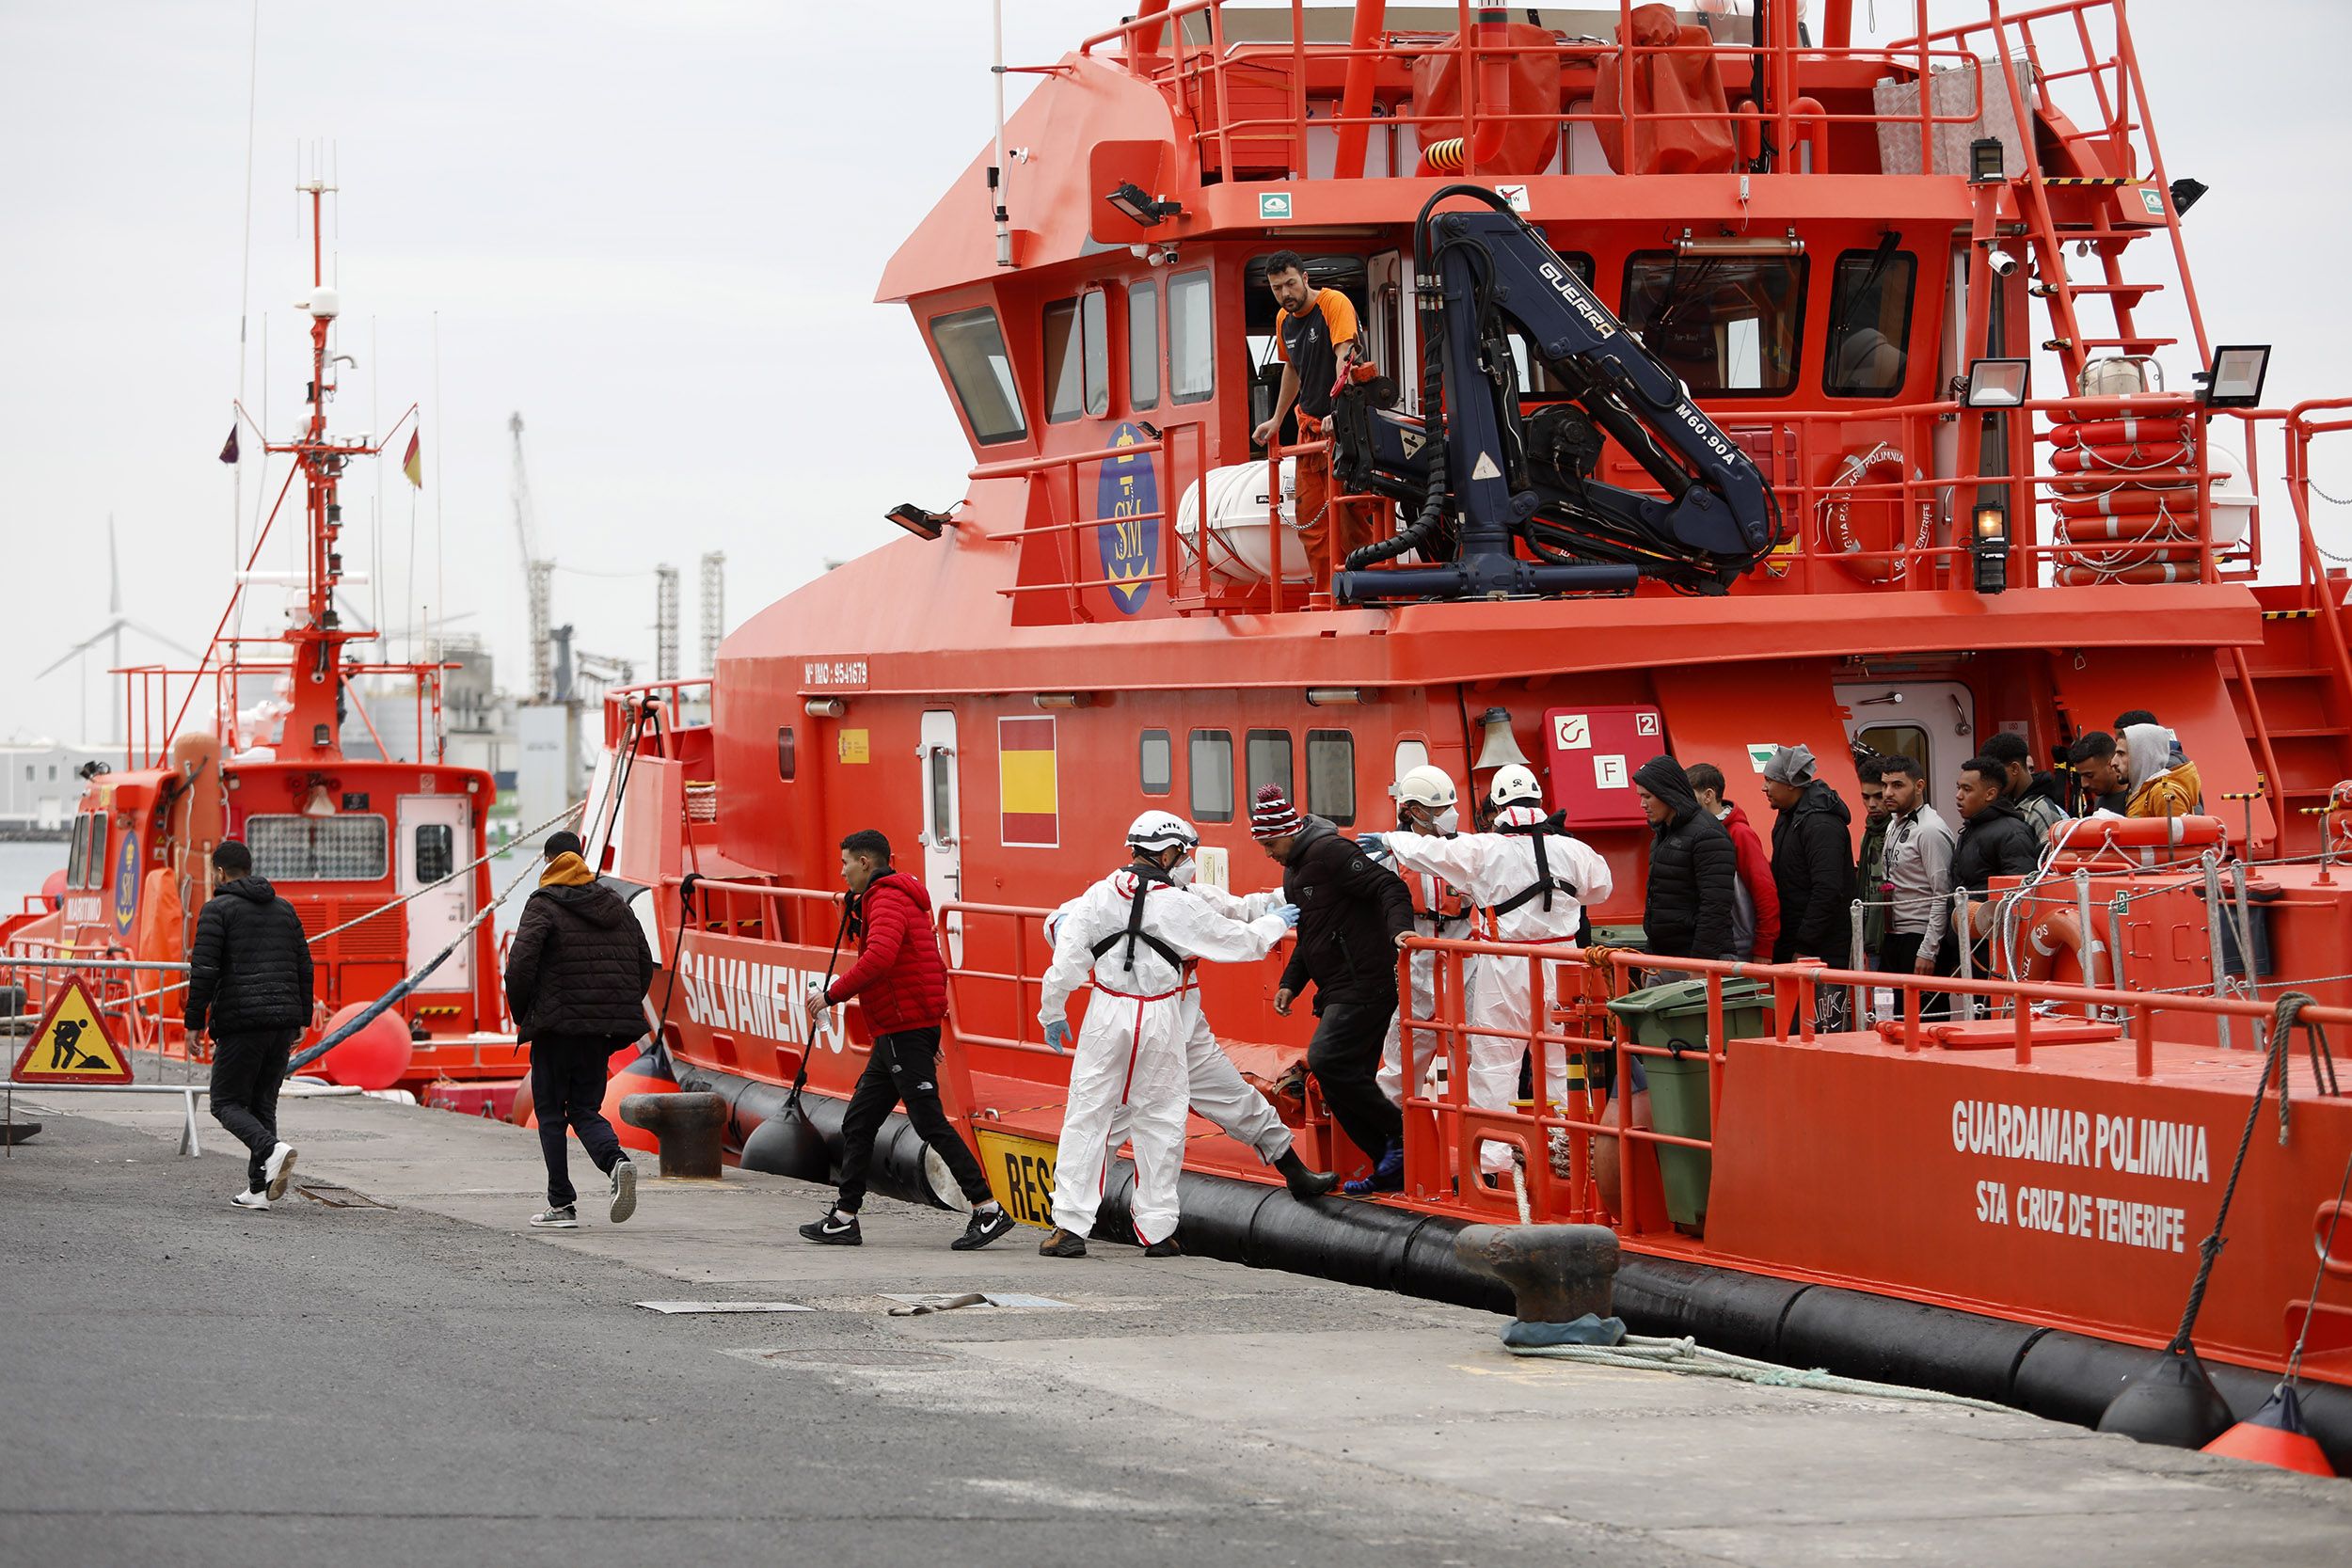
point(72, 1045)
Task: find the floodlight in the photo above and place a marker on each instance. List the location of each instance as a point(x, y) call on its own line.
point(2236, 380)
point(1995, 384)
point(1130, 202)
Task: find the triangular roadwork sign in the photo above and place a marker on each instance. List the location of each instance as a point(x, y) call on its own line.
point(72, 1045)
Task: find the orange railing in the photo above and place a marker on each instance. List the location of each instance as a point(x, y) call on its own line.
point(1256, 96)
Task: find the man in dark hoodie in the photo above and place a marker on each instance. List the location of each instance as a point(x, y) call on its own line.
point(902, 982)
point(1994, 841)
point(1813, 861)
point(1693, 893)
point(1353, 915)
point(576, 981)
point(249, 987)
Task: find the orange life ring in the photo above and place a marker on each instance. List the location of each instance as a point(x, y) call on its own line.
point(2141, 841)
point(2054, 934)
point(1882, 464)
point(2146, 456)
point(2138, 527)
point(2092, 433)
point(2168, 571)
point(2114, 500)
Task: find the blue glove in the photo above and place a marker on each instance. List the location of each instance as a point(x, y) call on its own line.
point(1374, 844)
point(1287, 914)
point(1057, 1037)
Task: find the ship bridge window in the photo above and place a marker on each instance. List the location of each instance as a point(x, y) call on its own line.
point(292, 848)
point(1157, 763)
point(1191, 338)
point(1725, 324)
point(1143, 344)
point(1870, 323)
point(1269, 763)
point(972, 346)
point(1211, 771)
point(85, 863)
point(1077, 359)
point(1331, 776)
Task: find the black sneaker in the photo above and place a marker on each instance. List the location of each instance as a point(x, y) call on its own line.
point(833, 1230)
point(982, 1229)
point(1062, 1244)
point(1164, 1249)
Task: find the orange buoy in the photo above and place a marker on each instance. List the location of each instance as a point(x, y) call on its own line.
point(377, 1057)
point(2275, 1435)
point(646, 1073)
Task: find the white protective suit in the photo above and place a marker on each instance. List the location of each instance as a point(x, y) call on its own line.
point(1492, 868)
point(1440, 911)
point(1132, 1071)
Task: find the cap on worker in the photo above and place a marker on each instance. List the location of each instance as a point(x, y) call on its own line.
point(560, 844)
point(1272, 816)
point(1789, 765)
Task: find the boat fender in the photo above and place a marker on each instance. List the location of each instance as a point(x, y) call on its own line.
point(787, 1143)
point(2173, 1403)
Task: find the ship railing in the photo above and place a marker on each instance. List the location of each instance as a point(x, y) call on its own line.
point(760, 912)
point(1569, 1023)
point(1069, 548)
point(663, 702)
point(1269, 99)
point(1013, 936)
point(159, 701)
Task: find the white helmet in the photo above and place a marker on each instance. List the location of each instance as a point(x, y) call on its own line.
point(1512, 783)
point(1157, 829)
point(1425, 786)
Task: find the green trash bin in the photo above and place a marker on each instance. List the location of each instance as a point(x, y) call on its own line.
point(1674, 1017)
point(1619, 936)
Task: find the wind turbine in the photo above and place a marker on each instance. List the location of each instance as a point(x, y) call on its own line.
point(116, 625)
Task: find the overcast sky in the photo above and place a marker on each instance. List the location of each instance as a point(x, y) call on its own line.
point(655, 230)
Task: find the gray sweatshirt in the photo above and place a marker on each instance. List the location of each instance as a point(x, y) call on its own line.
point(1919, 867)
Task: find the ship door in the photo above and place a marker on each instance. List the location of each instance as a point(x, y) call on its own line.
point(1932, 722)
point(943, 837)
point(433, 830)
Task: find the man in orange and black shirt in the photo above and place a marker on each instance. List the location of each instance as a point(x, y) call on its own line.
point(1315, 332)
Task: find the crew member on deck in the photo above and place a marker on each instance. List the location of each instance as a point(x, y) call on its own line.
point(1316, 335)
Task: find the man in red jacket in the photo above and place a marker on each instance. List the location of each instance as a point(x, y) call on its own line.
point(1756, 924)
point(903, 981)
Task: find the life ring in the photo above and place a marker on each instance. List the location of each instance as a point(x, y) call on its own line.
point(2054, 933)
point(2141, 840)
point(2128, 431)
point(2166, 571)
point(1881, 465)
point(2138, 458)
point(2116, 501)
point(2160, 527)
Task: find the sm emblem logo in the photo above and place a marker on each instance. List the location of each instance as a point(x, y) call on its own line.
point(1127, 499)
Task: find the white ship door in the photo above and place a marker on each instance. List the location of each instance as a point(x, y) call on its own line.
point(942, 839)
point(1932, 722)
point(435, 831)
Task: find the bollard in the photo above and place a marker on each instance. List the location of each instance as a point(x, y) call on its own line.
point(1557, 1273)
point(687, 1127)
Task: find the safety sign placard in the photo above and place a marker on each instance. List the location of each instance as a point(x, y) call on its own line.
point(72, 1045)
point(1021, 1173)
point(1274, 206)
point(1593, 751)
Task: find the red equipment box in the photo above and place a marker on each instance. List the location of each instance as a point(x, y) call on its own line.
point(1593, 751)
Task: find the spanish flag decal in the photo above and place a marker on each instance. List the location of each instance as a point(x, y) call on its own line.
point(1028, 782)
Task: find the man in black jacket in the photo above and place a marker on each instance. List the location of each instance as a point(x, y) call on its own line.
point(1994, 840)
point(1353, 915)
point(249, 987)
point(1813, 860)
point(1694, 869)
point(576, 981)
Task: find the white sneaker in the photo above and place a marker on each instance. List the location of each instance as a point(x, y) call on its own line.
point(624, 1189)
point(278, 1169)
point(556, 1219)
point(251, 1200)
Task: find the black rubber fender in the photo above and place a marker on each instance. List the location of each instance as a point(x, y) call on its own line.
point(1722, 1308)
point(1886, 1340)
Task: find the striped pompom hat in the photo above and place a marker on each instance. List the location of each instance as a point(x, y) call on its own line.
point(1271, 815)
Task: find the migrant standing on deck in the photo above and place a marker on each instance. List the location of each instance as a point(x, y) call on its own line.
point(1353, 915)
point(1755, 917)
point(1139, 933)
point(250, 988)
point(1689, 909)
point(576, 981)
point(902, 982)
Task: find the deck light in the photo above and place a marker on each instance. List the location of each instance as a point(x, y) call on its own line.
point(1334, 696)
point(2236, 380)
point(1989, 544)
point(825, 707)
point(922, 523)
point(1053, 700)
point(2184, 194)
point(1984, 162)
point(1995, 384)
point(1789, 244)
point(1130, 202)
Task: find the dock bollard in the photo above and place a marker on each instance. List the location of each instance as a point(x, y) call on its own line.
point(686, 1125)
point(1557, 1273)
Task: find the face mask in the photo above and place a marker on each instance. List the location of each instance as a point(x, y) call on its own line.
point(1446, 821)
point(1183, 872)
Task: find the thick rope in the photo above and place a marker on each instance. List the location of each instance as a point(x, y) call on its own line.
point(1640, 1353)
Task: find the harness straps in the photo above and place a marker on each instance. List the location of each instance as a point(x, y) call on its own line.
point(1145, 875)
point(1545, 883)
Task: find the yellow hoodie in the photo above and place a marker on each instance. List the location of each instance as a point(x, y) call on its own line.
point(568, 870)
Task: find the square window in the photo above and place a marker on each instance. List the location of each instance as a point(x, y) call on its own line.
point(1269, 758)
point(1157, 762)
point(1077, 359)
point(1331, 776)
point(1212, 768)
point(1191, 339)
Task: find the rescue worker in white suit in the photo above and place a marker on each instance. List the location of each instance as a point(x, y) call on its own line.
point(1425, 804)
point(1145, 1052)
point(1529, 882)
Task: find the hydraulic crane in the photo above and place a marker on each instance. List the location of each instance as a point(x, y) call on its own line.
point(1489, 483)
